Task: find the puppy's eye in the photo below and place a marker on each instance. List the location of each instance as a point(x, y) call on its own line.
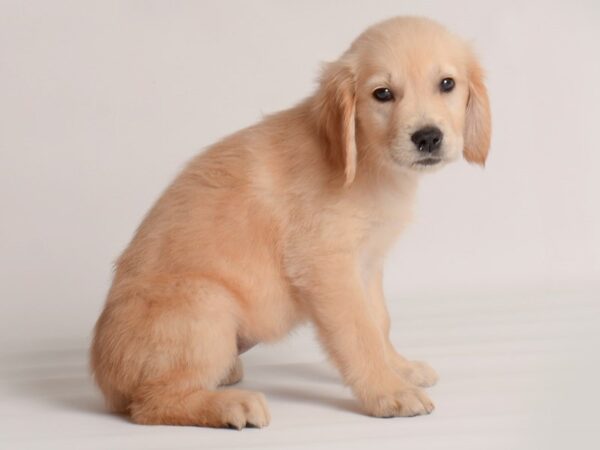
point(447, 84)
point(383, 95)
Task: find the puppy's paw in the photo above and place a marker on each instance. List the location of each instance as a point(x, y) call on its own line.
point(405, 402)
point(421, 374)
point(238, 409)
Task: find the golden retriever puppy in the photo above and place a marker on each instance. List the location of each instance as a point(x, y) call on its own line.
point(289, 221)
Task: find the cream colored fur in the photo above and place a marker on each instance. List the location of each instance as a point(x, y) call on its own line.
point(285, 222)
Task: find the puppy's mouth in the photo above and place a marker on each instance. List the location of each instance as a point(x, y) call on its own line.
point(427, 161)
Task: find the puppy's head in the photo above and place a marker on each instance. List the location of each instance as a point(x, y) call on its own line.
point(407, 94)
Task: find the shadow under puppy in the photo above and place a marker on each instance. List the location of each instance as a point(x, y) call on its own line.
point(288, 221)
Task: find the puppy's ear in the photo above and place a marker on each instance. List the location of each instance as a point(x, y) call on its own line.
point(335, 115)
point(478, 127)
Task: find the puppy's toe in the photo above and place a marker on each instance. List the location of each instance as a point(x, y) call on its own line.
point(242, 409)
point(406, 402)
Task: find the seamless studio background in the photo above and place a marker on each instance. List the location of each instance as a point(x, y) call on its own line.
point(103, 102)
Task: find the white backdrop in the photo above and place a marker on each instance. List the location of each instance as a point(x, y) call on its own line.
point(101, 103)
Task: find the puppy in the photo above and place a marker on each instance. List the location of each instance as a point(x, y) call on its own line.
point(289, 221)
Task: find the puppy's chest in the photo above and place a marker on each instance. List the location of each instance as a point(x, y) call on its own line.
point(379, 235)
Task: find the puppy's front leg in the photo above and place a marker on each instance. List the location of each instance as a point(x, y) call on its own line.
point(417, 372)
point(350, 334)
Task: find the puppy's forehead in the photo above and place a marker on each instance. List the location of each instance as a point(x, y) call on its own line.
point(406, 33)
point(404, 46)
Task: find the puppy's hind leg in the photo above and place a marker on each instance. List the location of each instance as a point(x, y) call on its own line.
point(191, 349)
point(174, 400)
point(235, 375)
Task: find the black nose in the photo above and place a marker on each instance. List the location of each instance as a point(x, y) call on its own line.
point(427, 139)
